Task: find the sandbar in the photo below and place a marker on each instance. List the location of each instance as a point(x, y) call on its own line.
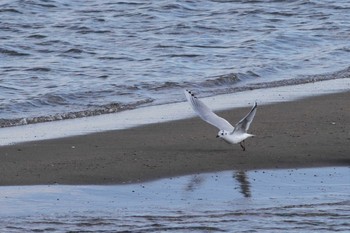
point(309, 132)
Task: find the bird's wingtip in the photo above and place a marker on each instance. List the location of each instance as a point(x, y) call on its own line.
point(188, 91)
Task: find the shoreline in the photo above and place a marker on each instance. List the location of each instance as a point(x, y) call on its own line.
point(167, 112)
point(308, 132)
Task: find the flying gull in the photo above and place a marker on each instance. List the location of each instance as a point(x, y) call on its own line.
point(228, 133)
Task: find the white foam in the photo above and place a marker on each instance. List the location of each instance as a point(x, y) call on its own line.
point(164, 113)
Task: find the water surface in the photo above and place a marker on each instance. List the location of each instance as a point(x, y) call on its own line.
point(293, 200)
point(64, 59)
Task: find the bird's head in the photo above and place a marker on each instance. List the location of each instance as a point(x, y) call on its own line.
point(222, 133)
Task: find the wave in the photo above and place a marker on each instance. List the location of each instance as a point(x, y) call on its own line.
point(10, 10)
point(11, 52)
point(222, 84)
point(39, 69)
point(239, 82)
point(103, 109)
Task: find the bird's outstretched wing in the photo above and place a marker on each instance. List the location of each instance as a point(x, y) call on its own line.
point(206, 114)
point(243, 125)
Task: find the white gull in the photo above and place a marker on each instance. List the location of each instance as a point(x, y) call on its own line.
point(228, 133)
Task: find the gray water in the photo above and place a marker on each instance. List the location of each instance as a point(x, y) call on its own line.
point(294, 200)
point(65, 59)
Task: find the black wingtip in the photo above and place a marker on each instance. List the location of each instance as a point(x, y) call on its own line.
point(255, 105)
point(191, 93)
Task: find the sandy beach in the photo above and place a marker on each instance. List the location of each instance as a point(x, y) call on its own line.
point(305, 133)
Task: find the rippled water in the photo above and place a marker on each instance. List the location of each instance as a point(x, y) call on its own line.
point(64, 59)
point(294, 200)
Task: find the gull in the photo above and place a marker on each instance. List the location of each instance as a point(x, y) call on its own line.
point(230, 134)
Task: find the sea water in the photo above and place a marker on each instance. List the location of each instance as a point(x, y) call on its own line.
point(62, 59)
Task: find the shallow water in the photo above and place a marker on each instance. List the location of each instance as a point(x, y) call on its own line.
point(65, 59)
point(293, 200)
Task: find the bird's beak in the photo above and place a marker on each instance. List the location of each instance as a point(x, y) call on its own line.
point(217, 136)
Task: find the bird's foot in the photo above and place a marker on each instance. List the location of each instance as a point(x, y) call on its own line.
point(242, 144)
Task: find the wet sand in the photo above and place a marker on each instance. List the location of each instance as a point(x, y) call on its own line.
point(295, 200)
point(305, 133)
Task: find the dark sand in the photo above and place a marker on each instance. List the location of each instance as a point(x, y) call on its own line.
point(305, 133)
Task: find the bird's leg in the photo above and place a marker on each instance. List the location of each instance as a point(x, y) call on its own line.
point(242, 144)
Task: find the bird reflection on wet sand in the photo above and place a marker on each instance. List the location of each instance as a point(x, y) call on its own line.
point(194, 183)
point(241, 177)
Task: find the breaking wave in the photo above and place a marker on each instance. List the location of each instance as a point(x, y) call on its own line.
point(224, 84)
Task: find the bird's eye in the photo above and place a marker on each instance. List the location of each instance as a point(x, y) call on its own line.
point(222, 133)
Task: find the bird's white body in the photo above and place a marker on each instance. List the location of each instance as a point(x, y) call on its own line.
point(236, 138)
point(233, 137)
point(228, 133)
